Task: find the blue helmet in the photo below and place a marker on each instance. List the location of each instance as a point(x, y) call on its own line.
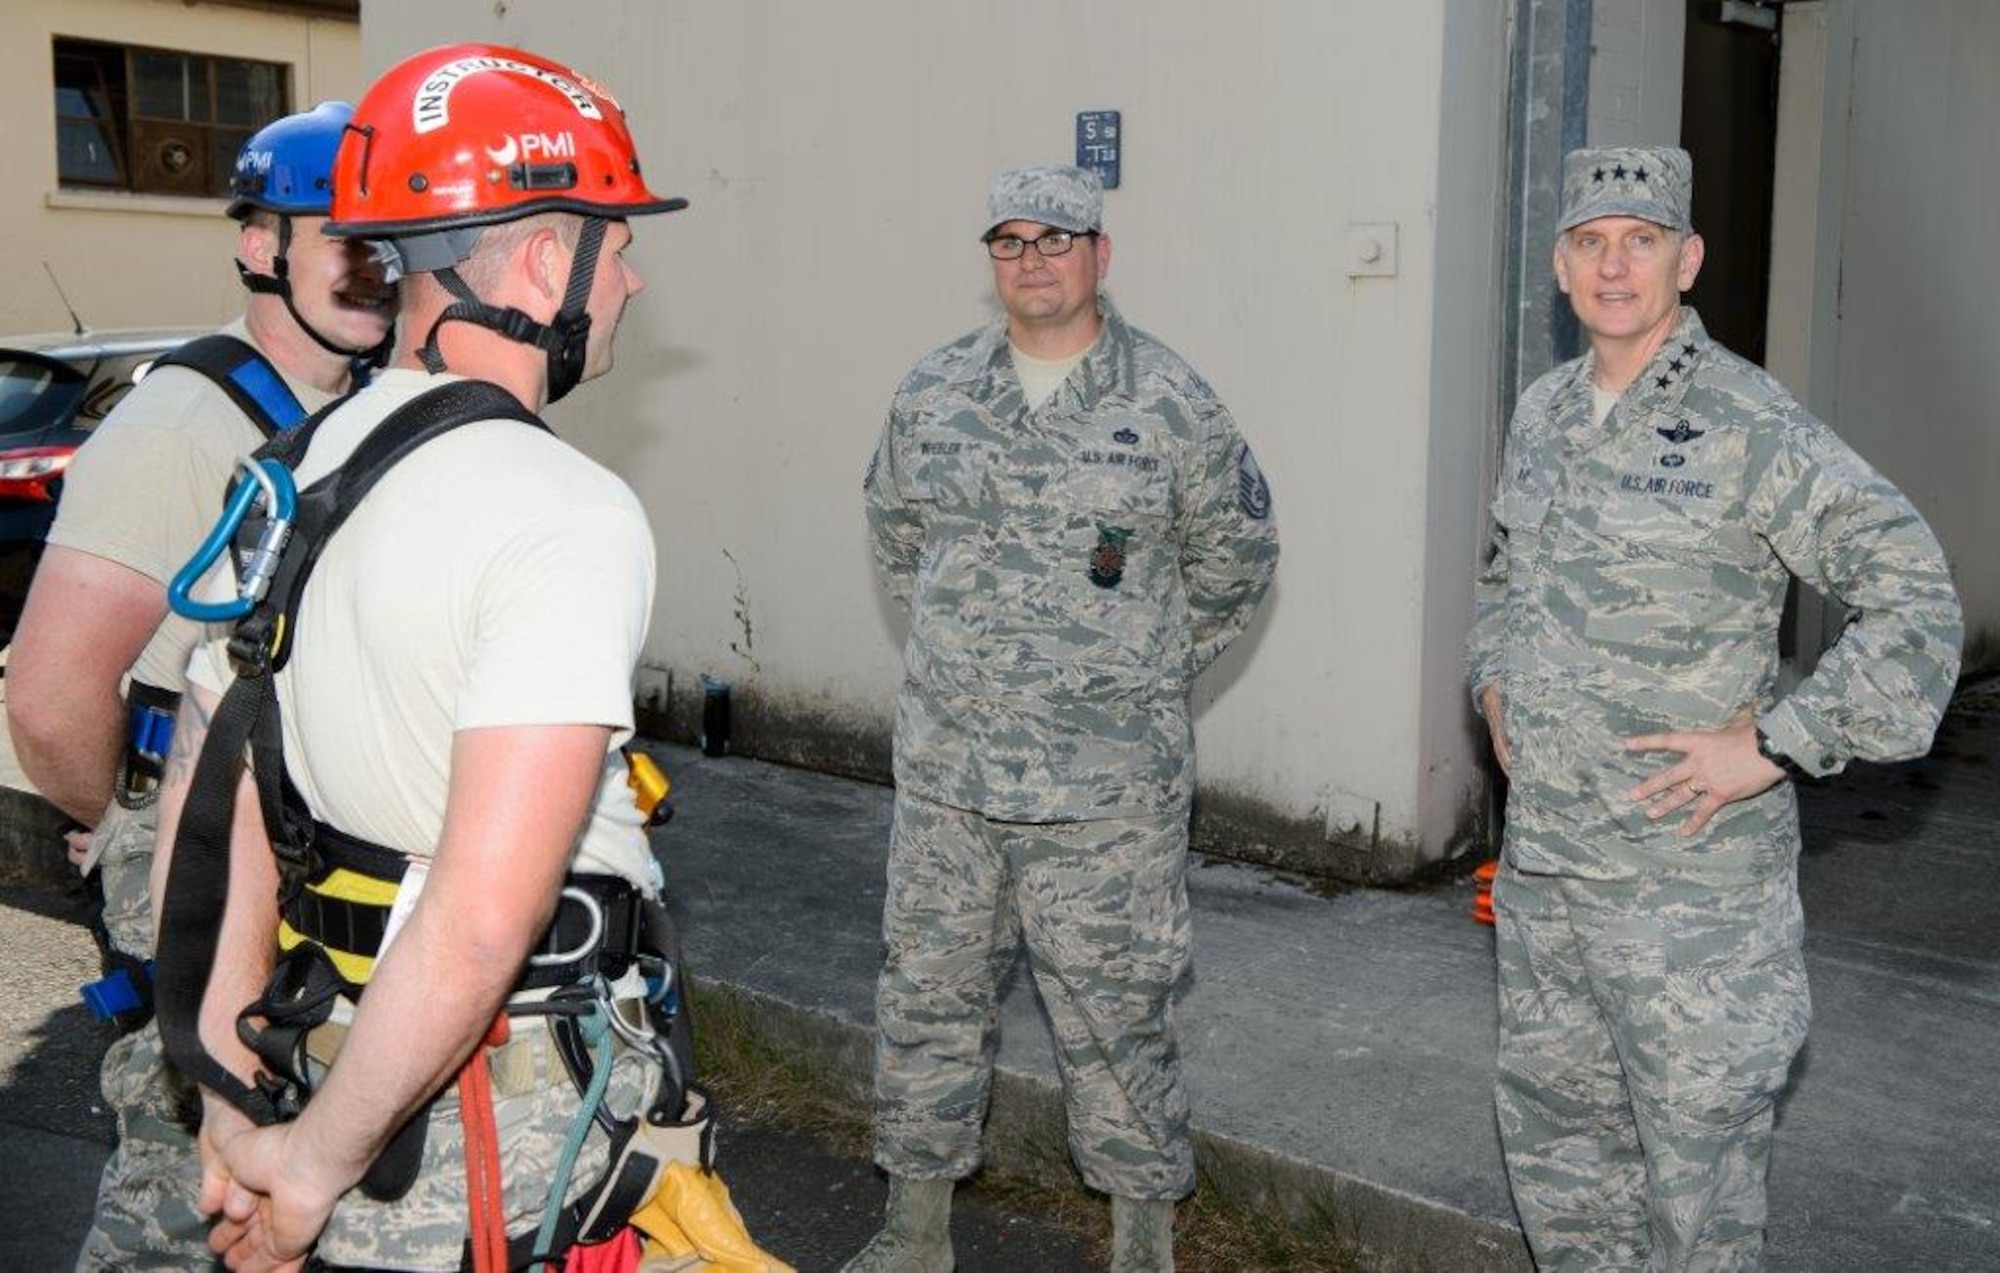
point(287, 166)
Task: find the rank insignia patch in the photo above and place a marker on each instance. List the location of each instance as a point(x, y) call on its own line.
point(1253, 493)
point(1107, 559)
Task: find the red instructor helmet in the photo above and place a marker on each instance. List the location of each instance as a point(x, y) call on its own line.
point(473, 134)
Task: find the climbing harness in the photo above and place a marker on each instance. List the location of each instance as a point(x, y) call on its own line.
point(239, 370)
point(248, 716)
point(268, 403)
point(124, 995)
point(604, 975)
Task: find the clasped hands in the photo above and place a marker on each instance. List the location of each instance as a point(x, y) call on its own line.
point(254, 1182)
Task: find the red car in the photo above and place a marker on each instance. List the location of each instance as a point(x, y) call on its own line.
point(54, 390)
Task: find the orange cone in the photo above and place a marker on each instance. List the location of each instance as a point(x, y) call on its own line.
point(1482, 900)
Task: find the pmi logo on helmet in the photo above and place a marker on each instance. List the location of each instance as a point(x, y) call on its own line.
point(533, 148)
point(431, 108)
point(258, 161)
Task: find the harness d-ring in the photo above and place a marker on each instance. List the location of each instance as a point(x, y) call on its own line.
point(588, 944)
point(274, 482)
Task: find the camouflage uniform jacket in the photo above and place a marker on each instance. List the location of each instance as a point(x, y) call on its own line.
point(1068, 570)
point(1636, 585)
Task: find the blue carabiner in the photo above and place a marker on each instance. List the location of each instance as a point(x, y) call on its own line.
point(262, 477)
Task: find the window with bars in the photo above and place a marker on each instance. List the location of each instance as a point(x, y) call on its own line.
point(156, 121)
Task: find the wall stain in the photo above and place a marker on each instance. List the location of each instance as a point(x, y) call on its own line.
point(801, 730)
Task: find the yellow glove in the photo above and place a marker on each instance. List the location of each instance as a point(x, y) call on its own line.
point(690, 1215)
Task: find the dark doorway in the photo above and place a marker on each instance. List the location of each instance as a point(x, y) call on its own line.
point(1729, 124)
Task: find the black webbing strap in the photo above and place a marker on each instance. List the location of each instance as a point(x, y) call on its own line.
point(249, 379)
point(197, 892)
point(325, 505)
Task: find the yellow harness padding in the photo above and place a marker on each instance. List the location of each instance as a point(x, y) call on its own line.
point(643, 775)
point(690, 1217)
point(347, 886)
point(647, 780)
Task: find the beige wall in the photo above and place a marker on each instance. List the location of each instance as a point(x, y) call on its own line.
point(837, 157)
point(1884, 324)
point(132, 261)
point(1635, 72)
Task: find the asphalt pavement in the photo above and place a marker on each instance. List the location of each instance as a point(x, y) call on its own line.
point(1339, 1044)
point(804, 1202)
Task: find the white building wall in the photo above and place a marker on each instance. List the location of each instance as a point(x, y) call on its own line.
point(837, 157)
point(1635, 72)
point(1905, 348)
point(126, 260)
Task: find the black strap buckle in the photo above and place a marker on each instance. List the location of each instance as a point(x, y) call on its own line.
point(250, 647)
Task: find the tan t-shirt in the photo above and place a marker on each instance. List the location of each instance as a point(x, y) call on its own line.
point(496, 576)
point(147, 487)
point(1601, 402)
point(1041, 377)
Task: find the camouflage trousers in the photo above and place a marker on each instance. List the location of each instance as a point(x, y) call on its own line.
point(1646, 1031)
point(1101, 907)
point(123, 848)
point(145, 1217)
point(535, 1108)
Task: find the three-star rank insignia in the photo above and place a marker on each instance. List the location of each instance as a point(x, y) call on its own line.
point(1681, 433)
point(1107, 559)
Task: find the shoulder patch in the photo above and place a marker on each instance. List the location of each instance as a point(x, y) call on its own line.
point(1253, 493)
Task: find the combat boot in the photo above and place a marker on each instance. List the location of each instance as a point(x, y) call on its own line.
point(916, 1231)
point(1142, 1235)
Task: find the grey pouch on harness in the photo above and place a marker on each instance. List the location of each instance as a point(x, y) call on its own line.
point(655, 1140)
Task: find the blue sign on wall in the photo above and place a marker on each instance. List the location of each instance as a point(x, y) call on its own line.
point(1099, 141)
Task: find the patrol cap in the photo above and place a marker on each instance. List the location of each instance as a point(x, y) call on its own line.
point(1653, 183)
point(1055, 195)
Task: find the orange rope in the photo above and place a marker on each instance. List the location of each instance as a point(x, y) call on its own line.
point(488, 1214)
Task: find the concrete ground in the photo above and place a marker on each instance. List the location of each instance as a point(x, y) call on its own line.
point(1340, 1046)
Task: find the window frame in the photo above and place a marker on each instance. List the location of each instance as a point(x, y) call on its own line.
point(143, 145)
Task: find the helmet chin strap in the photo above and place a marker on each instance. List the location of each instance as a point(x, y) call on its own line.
point(563, 339)
point(278, 283)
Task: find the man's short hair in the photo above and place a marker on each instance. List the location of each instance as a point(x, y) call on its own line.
point(496, 242)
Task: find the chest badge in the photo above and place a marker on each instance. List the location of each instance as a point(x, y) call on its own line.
point(1126, 437)
point(1681, 433)
point(1107, 559)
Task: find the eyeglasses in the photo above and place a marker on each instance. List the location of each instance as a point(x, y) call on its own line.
point(1009, 247)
